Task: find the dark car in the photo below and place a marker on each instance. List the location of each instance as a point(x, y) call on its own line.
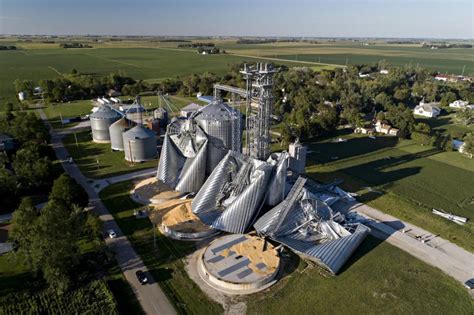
point(141, 276)
point(469, 284)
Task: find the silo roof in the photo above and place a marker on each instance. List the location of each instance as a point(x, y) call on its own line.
point(105, 112)
point(139, 132)
point(216, 111)
point(122, 123)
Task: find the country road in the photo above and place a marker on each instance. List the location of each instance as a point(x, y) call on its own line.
point(150, 296)
point(432, 249)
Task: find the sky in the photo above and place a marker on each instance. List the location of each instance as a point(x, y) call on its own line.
point(294, 18)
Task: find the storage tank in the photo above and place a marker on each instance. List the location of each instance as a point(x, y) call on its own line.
point(101, 120)
point(116, 130)
point(135, 113)
point(223, 126)
point(162, 115)
point(139, 144)
point(154, 125)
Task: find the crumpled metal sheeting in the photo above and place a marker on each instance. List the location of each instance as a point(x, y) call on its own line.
point(192, 175)
point(240, 214)
point(307, 228)
point(170, 164)
point(182, 164)
point(277, 185)
point(241, 211)
point(332, 254)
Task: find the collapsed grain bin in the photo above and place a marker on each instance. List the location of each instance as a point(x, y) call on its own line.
point(139, 144)
point(101, 120)
point(223, 127)
point(239, 264)
point(116, 131)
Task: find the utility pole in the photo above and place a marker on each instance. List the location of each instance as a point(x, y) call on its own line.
point(75, 137)
point(154, 234)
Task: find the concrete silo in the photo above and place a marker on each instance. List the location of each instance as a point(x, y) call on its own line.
point(139, 144)
point(223, 127)
point(116, 131)
point(101, 121)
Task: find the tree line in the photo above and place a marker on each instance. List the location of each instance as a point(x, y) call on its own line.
point(7, 47)
point(28, 169)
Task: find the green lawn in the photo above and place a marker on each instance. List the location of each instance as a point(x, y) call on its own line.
point(165, 262)
point(378, 279)
point(413, 179)
point(54, 112)
point(138, 63)
point(111, 163)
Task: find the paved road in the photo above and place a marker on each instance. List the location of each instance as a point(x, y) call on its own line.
point(434, 250)
point(151, 297)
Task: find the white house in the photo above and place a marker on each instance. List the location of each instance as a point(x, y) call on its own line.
point(384, 71)
point(429, 110)
point(459, 104)
point(458, 145)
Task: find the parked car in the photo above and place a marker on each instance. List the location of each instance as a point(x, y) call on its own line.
point(111, 233)
point(469, 284)
point(141, 276)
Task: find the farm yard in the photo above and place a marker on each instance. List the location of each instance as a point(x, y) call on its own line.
point(402, 275)
point(409, 180)
point(97, 160)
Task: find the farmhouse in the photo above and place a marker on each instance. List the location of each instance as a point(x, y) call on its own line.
point(429, 110)
point(461, 104)
point(385, 128)
point(365, 130)
point(383, 71)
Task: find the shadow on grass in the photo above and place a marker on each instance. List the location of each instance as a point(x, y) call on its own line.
point(326, 152)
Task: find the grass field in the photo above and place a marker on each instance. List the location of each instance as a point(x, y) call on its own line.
point(111, 163)
point(443, 60)
point(379, 278)
point(413, 179)
point(140, 63)
point(165, 262)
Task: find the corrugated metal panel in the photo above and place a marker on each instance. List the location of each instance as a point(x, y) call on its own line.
point(277, 185)
point(170, 164)
point(183, 158)
point(222, 125)
point(116, 133)
point(139, 144)
point(303, 223)
point(239, 213)
point(101, 121)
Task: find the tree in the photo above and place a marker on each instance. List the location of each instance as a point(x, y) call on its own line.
point(55, 245)
point(31, 168)
point(67, 190)
point(468, 147)
point(466, 115)
point(447, 98)
point(421, 138)
point(24, 229)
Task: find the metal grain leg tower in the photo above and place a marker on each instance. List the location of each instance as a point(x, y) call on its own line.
point(259, 90)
